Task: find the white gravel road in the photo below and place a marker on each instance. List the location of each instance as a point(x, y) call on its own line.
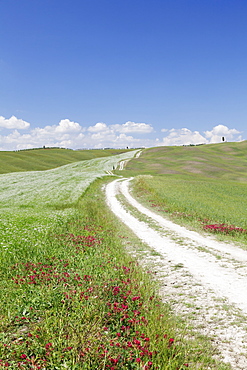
point(204, 280)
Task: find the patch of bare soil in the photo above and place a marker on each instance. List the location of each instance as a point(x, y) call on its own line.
point(203, 280)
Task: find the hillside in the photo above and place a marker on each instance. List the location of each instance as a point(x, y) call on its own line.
point(45, 159)
point(225, 160)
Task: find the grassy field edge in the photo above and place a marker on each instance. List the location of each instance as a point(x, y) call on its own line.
point(84, 303)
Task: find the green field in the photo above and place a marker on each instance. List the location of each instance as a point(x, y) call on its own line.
point(196, 185)
point(226, 161)
point(44, 159)
point(71, 297)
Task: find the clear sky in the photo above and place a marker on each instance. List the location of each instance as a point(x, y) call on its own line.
point(117, 73)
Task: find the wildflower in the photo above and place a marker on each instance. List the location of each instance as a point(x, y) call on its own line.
point(67, 349)
point(136, 298)
point(137, 342)
point(48, 345)
point(116, 290)
point(171, 341)
point(114, 360)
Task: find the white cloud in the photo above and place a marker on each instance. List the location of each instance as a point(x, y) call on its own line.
point(115, 136)
point(62, 131)
point(185, 136)
point(70, 134)
point(128, 127)
point(102, 136)
point(182, 136)
point(13, 123)
point(219, 131)
point(100, 126)
point(65, 125)
point(111, 139)
point(124, 140)
point(132, 127)
point(66, 134)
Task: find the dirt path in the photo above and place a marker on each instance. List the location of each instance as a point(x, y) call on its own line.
point(204, 280)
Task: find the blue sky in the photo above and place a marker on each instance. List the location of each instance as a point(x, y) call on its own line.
point(116, 73)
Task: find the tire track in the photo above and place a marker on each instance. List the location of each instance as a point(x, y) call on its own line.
point(210, 277)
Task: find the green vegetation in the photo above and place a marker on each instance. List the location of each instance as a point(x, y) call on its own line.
point(196, 185)
point(47, 158)
point(56, 187)
point(71, 297)
point(225, 161)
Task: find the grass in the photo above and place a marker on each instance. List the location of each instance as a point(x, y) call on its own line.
point(213, 202)
point(56, 187)
point(209, 200)
point(225, 161)
point(71, 296)
point(48, 158)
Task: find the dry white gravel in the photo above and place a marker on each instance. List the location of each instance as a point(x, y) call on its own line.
point(203, 280)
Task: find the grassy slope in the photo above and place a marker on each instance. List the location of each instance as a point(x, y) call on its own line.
point(56, 324)
point(45, 159)
point(220, 161)
point(197, 185)
point(63, 273)
point(62, 185)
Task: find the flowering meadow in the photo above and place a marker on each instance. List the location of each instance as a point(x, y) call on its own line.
point(201, 203)
point(41, 159)
point(225, 229)
point(60, 186)
point(71, 297)
point(201, 186)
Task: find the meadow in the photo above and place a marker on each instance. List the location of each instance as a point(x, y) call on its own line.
point(225, 161)
point(71, 297)
point(203, 187)
point(41, 159)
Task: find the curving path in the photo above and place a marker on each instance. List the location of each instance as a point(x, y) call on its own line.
point(204, 270)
